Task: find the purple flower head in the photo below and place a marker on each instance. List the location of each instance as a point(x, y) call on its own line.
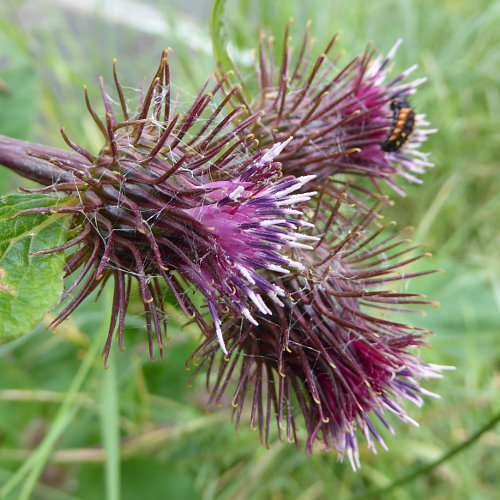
point(178, 200)
point(329, 353)
point(252, 225)
point(341, 119)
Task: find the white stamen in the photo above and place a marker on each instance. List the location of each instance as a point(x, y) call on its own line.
point(297, 198)
point(296, 265)
point(247, 315)
point(394, 49)
point(271, 222)
point(275, 299)
point(295, 244)
point(220, 338)
point(246, 274)
point(236, 193)
point(257, 300)
point(408, 71)
point(274, 151)
point(299, 182)
point(279, 269)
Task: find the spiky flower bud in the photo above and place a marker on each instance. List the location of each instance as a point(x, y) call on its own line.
point(177, 199)
point(330, 353)
point(342, 121)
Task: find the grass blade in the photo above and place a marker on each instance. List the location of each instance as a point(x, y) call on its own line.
point(110, 430)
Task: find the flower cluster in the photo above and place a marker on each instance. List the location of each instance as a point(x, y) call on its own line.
point(329, 351)
point(344, 365)
point(250, 203)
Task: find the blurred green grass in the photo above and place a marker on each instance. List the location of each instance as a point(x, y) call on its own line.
point(170, 447)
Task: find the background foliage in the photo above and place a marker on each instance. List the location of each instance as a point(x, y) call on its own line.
point(55, 396)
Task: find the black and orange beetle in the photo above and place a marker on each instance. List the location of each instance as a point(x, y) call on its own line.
point(403, 121)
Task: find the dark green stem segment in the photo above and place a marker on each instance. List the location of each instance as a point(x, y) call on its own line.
point(21, 157)
point(377, 493)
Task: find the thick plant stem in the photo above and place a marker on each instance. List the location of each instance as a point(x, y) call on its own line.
point(22, 157)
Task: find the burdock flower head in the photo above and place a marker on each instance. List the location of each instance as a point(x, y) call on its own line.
point(177, 199)
point(330, 353)
point(352, 120)
point(296, 288)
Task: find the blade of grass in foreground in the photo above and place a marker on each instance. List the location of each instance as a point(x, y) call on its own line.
point(219, 37)
point(110, 430)
point(41, 491)
point(29, 472)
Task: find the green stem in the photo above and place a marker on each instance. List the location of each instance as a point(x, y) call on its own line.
point(110, 430)
point(376, 493)
point(218, 37)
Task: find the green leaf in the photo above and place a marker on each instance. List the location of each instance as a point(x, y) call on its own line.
point(29, 285)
